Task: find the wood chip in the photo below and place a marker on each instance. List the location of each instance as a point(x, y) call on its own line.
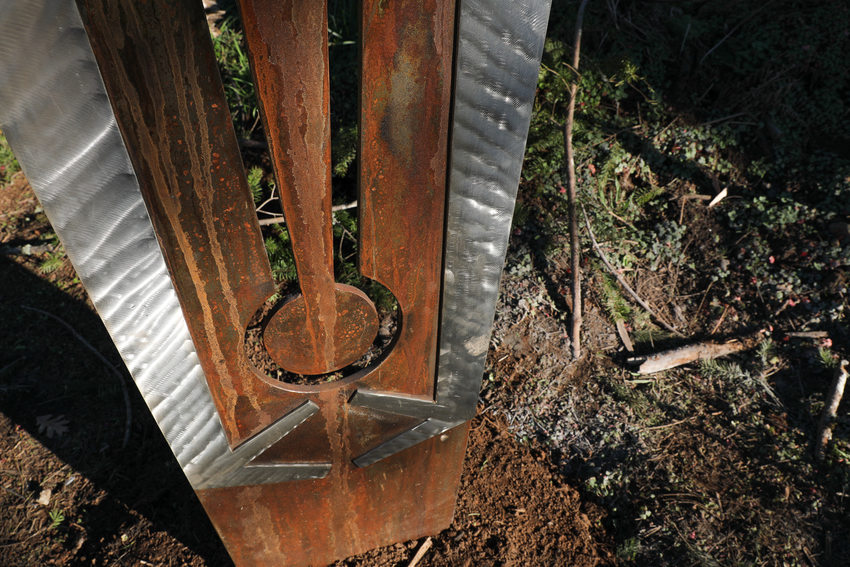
point(44, 497)
point(719, 197)
point(624, 335)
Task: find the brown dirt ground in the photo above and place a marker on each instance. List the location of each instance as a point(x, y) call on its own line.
point(73, 495)
point(512, 510)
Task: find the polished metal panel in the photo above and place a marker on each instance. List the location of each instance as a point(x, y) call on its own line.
point(499, 51)
point(58, 120)
point(416, 434)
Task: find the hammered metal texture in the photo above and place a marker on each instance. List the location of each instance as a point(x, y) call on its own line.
point(58, 120)
point(499, 51)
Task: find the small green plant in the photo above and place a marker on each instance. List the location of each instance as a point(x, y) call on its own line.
point(666, 240)
point(725, 370)
point(607, 486)
point(8, 164)
point(229, 47)
point(255, 183)
point(281, 258)
point(766, 352)
point(344, 150)
point(827, 358)
point(53, 262)
point(616, 305)
point(56, 518)
point(629, 549)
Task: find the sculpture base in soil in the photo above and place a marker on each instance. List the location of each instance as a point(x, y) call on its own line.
point(352, 510)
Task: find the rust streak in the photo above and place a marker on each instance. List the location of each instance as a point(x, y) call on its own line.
point(288, 45)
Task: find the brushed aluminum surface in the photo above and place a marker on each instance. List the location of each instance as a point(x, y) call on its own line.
point(499, 51)
point(59, 122)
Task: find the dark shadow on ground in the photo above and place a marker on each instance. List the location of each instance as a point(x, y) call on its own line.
point(44, 370)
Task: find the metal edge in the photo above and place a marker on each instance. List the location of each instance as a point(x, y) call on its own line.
point(413, 436)
point(394, 403)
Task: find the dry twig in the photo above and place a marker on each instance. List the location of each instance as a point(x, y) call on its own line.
point(575, 250)
point(281, 220)
point(423, 549)
point(827, 419)
point(622, 281)
point(624, 335)
point(128, 411)
point(807, 334)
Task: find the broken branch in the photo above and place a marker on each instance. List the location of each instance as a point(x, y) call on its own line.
point(827, 419)
point(423, 549)
point(668, 359)
point(280, 219)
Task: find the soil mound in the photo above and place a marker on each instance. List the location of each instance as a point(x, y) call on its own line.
point(512, 510)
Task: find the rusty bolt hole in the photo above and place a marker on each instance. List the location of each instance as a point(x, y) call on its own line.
point(388, 318)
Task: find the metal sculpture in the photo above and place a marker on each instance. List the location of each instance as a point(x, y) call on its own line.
point(117, 115)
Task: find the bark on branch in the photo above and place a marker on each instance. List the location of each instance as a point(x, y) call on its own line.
point(668, 359)
point(827, 420)
point(575, 249)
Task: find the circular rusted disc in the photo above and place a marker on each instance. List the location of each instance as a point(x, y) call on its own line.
point(299, 347)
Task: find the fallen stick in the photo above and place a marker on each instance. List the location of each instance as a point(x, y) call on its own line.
point(827, 419)
point(622, 281)
point(423, 549)
point(668, 359)
point(719, 197)
point(807, 334)
point(624, 335)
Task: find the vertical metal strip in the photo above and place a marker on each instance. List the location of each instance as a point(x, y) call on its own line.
point(499, 51)
point(498, 57)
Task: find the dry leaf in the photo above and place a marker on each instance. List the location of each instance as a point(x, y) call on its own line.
point(52, 426)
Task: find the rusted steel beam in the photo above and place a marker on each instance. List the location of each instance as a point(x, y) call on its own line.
point(157, 62)
point(404, 124)
point(315, 522)
point(330, 325)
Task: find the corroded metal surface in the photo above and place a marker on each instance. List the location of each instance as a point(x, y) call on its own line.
point(405, 102)
point(55, 114)
point(330, 325)
point(370, 459)
point(143, 47)
point(157, 62)
point(500, 45)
